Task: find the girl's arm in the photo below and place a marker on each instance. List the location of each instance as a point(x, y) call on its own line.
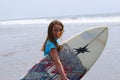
point(58, 64)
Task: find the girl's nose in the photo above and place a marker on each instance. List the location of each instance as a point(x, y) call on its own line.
point(59, 33)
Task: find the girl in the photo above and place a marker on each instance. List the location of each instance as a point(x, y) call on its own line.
point(51, 46)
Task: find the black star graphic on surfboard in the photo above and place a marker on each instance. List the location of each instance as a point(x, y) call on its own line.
point(81, 50)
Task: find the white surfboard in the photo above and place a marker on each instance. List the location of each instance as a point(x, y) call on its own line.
point(94, 39)
point(78, 55)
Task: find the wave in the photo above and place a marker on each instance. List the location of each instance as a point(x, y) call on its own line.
point(82, 20)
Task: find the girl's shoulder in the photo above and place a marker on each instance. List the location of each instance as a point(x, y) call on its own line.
point(49, 42)
point(49, 45)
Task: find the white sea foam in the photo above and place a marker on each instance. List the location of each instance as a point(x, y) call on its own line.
point(81, 20)
point(14, 22)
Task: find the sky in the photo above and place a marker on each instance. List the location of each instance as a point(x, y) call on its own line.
point(28, 9)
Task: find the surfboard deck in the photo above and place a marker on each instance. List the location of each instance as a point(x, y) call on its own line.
point(78, 55)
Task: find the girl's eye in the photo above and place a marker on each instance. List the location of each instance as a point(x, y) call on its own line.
point(58, 30)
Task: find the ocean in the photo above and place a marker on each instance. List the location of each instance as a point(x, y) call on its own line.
point(21, 42)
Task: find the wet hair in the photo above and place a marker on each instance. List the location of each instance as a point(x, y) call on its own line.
point(50, 34)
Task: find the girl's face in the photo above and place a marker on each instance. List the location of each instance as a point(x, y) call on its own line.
point(57, 31)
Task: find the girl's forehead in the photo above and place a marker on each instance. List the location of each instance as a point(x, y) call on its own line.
point(57, 26)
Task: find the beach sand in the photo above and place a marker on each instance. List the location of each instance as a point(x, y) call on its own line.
point(20, 46)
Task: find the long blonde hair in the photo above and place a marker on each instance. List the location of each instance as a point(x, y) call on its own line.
point(50, 34)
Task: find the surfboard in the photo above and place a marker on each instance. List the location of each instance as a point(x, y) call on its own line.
point(78, 55)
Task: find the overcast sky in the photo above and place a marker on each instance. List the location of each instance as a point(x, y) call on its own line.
point(23, 9)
